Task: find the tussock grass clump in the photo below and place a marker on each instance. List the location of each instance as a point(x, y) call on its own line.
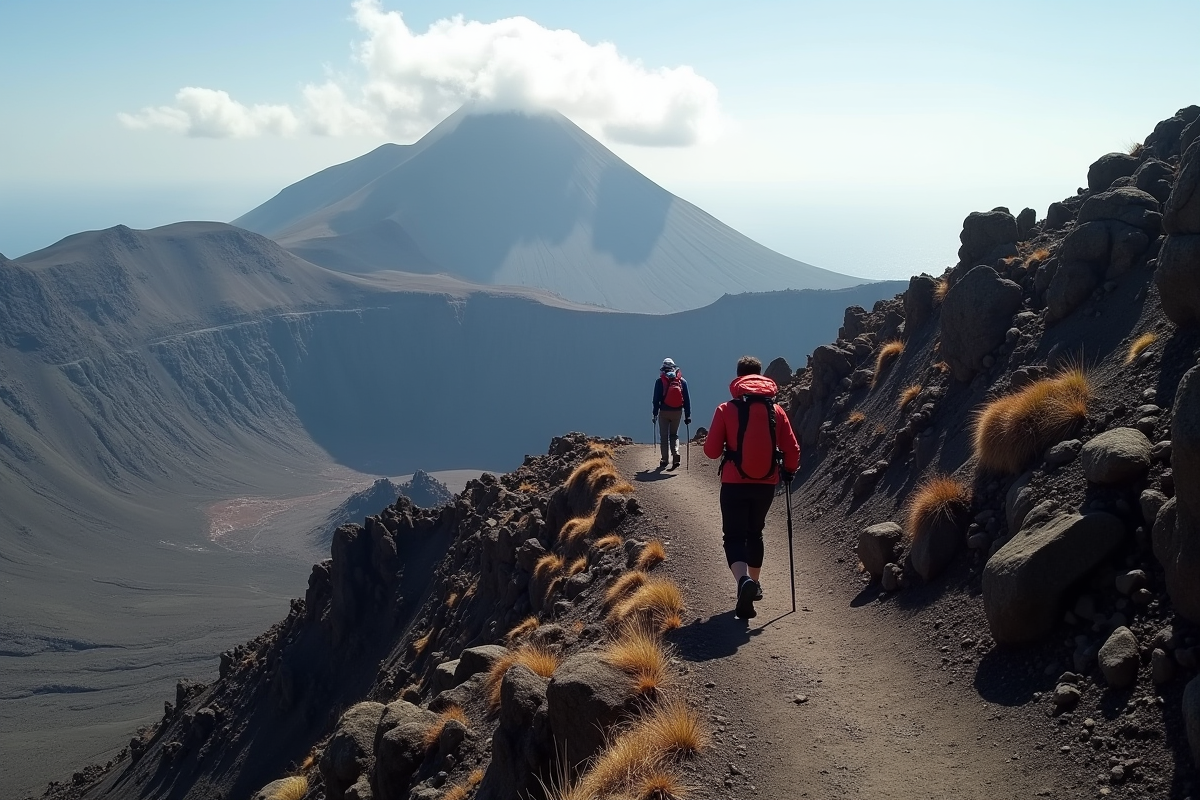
point(608, 542)
point(1139, 346)
point(292, 788)
point(940, 289)
point(600, 476)
point(1011, 432)
point(625, 583)
point(886, 356)
point(527, 487)
point(640, 653)
point(460, 791)
point(420, 645)
point(1037, 257)
point(548, 566)
point(661, 784)
point(527, 625)
point(577, 566)
point(576, 530)
point(452, 600)
point(432, 735)
point(657, 602)
point(600, 450)
point(669, 734)
point(651, 556)
point(856, 417)
point(538, 659)
point(908, 395)
point(938, 498)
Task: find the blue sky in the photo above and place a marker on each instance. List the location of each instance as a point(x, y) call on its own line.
point(851, 135)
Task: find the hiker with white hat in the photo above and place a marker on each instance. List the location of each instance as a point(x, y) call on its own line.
point(671, 404)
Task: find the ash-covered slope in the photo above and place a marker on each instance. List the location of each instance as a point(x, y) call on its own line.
point(526, 200)
point(1052, 375)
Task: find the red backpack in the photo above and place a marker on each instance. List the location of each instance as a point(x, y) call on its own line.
point(673, 389)
point(757, 453)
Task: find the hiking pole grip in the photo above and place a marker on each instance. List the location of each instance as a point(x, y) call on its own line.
point(787, 489)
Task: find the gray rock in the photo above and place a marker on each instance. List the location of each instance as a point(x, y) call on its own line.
point(1025, 581)
point(1191, 715)
point(1182, 211)
point(1162, 667)
point(474, 660)
point(1019, 501)
point(935, 547)
point(1108, 168)
point(460, 695)
point(779, 371)
point(1058, 215)
point(522, 743)
point(978, 541)
point(918, 303)
point(444, 676)
point(1025, 222)
point(1088, 242)
point(1066, 697)
point(1119, 455)
point(984, 237)
point(349, 753)
point(1119, 658)
point(1129, 582)
point(1063, 452)
point(1071, 285)
point(399, 748)
point(976, 316)
point(1128, 205)
point(877, 546)
point(1151, 502)
point(584, 699)
point(889, 581)
point(1178, 279)
point(864, 484)
point(1155, 178)
point(1176, 532)
point(1161, 452)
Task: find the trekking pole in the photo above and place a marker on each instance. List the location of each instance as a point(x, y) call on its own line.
point(791, 558)
point(688, 427)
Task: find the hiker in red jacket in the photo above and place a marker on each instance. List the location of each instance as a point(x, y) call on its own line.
point(753, 438)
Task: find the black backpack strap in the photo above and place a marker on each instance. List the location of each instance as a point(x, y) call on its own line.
point(742, 404)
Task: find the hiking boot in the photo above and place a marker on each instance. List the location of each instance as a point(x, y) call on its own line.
point(758, 594)
point(677, 460)
point(662, 464)
point(747, 589)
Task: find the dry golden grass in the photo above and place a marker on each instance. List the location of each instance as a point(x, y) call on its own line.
point(308, 761)
point(1134, 148)
point(527, 487)
point(1037, 257)
point(656, 602)
point(452, 712)
point(625, 583)
point(577, 566)
point(887, 354)
point(942, 367)
point(670, 733)
point(527, 625)
point(552, 588)
point(662, 784)
point(1139, 346)
point(608, 542)
point(292, 788)
point(937, 498)
point(651, 556)
point(856, 417)
point(452, 600)
point(941, 289)
point(1012, 431)
point(576, 530)
point(460, 791)
point(548, 566)
point(908, 395)
point(419, 646)
point(538, 659)
point(639, 653)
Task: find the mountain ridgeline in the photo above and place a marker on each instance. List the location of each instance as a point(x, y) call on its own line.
point(526, 200)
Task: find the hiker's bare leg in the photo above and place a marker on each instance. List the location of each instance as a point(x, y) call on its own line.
point(755, 572)
point(740, 570)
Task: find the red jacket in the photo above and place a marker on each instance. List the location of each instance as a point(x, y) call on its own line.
point(723, 433)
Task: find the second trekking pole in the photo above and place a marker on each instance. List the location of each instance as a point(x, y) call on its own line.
point(687, 426)
point(787, 488)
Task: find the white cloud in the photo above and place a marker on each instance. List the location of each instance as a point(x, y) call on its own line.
point(406, 82)
point(213, 114)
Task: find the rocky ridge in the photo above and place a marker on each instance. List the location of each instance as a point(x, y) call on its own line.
point(1069, 572)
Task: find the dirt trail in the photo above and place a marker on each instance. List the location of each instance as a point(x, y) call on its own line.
point(881, 718)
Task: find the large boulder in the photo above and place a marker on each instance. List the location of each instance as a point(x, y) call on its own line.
point(877, 546)
point(1108, 168)
point(1155, 178)
point(1119, 658)
point(918, 303)
point(986, 237)
point(350, 752)
point(934, 547)
point(976, 316)
point(522, 745)
point(1182, 211)
point(1176, 533)
point(1072, 284)
point(1025, 222)
point(400, 748)
point(1191, 717)
point(1025, 580)
point(1178, 279)
point(585, 698)
point(1126, 204)
point(779, 371)
point(474, 660)
point(1119, 455)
